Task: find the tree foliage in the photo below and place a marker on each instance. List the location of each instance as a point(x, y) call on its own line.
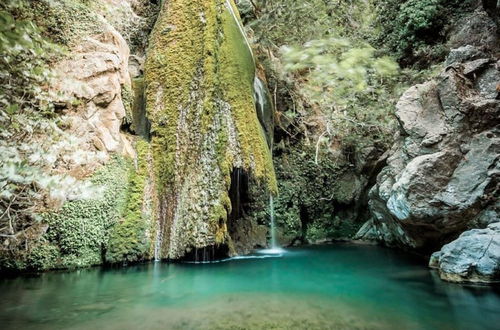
point(341, 88)
point(350, 86)
point(33, 142)
point(415, 30)
point(292, 22)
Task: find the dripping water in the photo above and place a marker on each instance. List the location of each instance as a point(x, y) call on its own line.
point(273, 228)
point(264, 109)
point(275, 248)
point(158, 243)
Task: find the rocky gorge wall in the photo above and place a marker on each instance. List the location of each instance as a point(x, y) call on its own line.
point(200, 75)
point(181, 149)
point(171, 113)
point(442, 174)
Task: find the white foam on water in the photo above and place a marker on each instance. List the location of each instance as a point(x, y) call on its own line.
point(272, 251)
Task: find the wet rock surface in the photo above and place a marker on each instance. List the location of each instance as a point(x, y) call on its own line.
point(473, 257)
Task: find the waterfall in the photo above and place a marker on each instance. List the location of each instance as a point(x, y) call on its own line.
point(265, 113)
point(274, 248)
point(260, 98)
point(159, 238)
point(264, 109)
point(273, 228)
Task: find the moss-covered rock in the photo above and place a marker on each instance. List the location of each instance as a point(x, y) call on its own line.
point(199, 86)
point(316, 201)
point(77, 234)
point(129, 240)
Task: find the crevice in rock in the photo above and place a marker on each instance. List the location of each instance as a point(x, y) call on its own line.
point(137, 122)
point(238, 194)
point(206, 254)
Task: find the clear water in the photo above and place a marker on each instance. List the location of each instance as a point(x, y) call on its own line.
point(328, 287)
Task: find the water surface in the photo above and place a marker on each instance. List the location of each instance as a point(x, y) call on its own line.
point(326, 287)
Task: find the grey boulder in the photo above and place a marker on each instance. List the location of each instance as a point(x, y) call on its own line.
point(473, 257)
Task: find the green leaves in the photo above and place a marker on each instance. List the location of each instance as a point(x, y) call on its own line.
point(347, 83)
point(23, 65)
point(294, 22)
point(12, 109)
point(409, 27)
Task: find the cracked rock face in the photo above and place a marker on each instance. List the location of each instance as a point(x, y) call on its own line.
point(442, 173)
point(96, 74)
point(473, 257)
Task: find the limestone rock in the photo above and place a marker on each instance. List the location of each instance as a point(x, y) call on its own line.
point(204, 125)
point(473, 257)
point(94, 74)
point(443, 170)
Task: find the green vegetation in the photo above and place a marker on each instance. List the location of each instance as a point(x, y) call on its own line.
point(312, 196)
point(275, 22)
point(81, 228)
point(128, 241)
point(335, 89)
point(77, 235)
point(64, 22)
point(199, 86)
point(349, 86)
point(79, 231)
point(330, 83)
point(415, 30)
point(50, 218)
point(334, 78)
point(32, 141)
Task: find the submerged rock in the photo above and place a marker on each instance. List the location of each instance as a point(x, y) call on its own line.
point(473, 257)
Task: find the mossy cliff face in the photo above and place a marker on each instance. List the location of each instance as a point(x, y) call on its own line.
point(131, 238)
point(199, 86)
point(112, 227)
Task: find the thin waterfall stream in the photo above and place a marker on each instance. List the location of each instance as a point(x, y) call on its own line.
point(264, 109)
point(273, 228)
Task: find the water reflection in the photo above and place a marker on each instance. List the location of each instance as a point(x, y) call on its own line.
point(313, 288)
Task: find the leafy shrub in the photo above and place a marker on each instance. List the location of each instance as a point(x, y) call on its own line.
point(350, 88)
point(409, 27)
point(275, 22)
point(81, 228)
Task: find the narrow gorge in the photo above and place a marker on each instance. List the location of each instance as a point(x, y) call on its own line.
point(221, 164)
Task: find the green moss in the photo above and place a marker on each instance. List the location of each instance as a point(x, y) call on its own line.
point(65, 22)
point(311, 195)
point(80, 230)
point(128, 240)
point(237, 83)
point(199, 87)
